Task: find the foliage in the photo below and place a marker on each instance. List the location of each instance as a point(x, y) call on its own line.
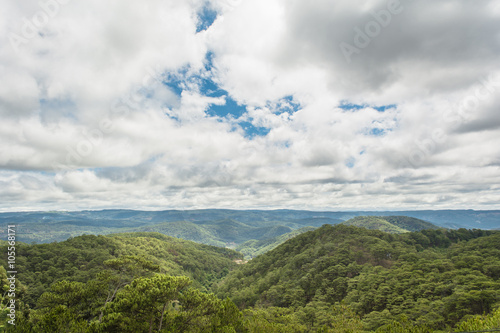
point(160, 303)
point(409, 223)
point(83, 258)
point(432, 277)
point(391, 224)
point(332, 279)
point(481, 322)
point(254, 247)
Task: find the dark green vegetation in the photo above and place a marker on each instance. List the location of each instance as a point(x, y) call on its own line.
point(432, 278)
point(220, 233)
point(256, 235)
point(82, 258)
point(120, 283)
point(253, 248)
point(390, 224)
point(332, 279)
point(46, 227)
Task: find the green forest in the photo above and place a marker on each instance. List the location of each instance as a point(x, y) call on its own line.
point(338, 278)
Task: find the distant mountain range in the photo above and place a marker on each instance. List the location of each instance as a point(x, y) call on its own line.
point(230, 228)
point(390, 224)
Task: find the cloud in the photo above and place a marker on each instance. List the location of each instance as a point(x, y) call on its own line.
point(379, 104)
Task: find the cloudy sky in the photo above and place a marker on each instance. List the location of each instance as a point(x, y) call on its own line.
point(326, 104)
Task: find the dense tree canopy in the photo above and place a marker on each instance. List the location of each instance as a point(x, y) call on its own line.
point(433, 278)
point(332, 279)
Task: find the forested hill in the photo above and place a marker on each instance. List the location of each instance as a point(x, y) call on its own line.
point(253, 248)
point(82, 258)
point(391, 224)
point(213, 226)
point(332, 279)
point(432, 278)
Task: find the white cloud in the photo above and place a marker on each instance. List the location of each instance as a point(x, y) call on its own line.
point(88, 123)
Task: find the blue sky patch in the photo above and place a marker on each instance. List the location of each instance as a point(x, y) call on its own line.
point(209, 60)
point(350, 162)
point(384, 107)
point(344, 105)
point(351, 107)
point(203, 82)
point(231, 108)
point(206, 18)
point(209, 88)
point(252, 131)
point(286, 105)
point(176, 82)
point(377, 131)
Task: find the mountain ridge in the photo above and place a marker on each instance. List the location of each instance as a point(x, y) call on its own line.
point(45, 227)
point(391, 224)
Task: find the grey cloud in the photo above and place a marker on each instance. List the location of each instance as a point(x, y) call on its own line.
point(125, 174)
point(443, 36)
point(481, 115)
point(479, 125)
point(429, 57)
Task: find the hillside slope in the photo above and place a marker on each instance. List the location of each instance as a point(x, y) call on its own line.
point(374, 223)
point(332, 279)
point(46, 227)
point(185, 230)
point(390, 224)
point(434, 277)
point(409, 223)
point(82, 258)
point(253, 248)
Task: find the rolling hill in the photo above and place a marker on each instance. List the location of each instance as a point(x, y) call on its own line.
point(219, 226)
point(331, 279)
point(390, 224)
point(432, 278)
point(253, 248)
point(185, 230)
point(82, 258)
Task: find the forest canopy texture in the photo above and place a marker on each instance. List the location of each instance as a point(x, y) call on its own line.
point(333, 279)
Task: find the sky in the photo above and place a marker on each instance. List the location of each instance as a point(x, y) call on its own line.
point(249, 104)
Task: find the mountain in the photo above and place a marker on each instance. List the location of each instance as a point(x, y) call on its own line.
point(220, 233)
point(432, 278)
point(185, 230)
point(46, 227)
point(409, 223)
point(390, 224)
point(374, 223)
point(254, 247)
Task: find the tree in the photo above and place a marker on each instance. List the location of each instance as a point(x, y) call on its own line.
point(165, 303)
point(142, 305)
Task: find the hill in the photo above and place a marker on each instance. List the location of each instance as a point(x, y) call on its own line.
point(186, 230)
point(46, 227)
point(220, 233)
point(331, 279)
point(83, 258)
point(374, 223)
point(409, 223)
point(391, 224)
point(253, 248)
point(431, 277)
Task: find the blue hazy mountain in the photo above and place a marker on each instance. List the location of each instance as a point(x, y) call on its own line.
point(215, 226)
